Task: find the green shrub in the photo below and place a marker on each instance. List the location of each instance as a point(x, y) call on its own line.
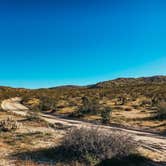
point(106, 115)
point(89, 106)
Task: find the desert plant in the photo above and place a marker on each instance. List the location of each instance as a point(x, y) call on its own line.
point(47, 103)
point(120, 101)
point(89, 106)
point(9, 124)
point(161, 114)
point(106, 115)
point(93, 145)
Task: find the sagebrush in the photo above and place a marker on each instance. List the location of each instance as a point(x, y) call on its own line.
point(92, 143)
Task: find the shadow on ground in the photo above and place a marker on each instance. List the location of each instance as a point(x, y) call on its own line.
point(132, 160)
point(57, 155)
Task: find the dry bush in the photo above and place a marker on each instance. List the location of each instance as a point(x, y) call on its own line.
point(93, 145)
point(161, 114)
point(9, 124)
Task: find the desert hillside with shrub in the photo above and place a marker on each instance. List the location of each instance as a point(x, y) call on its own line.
point(40, 138)
point(133, 102)
point(130, 102)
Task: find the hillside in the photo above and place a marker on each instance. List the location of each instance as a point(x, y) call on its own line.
point(134, 101)
point(131, 81)
point(134, 105)
point(153, 88)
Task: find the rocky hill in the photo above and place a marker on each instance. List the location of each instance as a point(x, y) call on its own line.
point(131, 81)
point(151, 87)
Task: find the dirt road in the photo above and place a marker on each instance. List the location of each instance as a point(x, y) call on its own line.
point(150, 143)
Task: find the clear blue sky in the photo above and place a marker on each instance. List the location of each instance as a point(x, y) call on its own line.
point(46, 43)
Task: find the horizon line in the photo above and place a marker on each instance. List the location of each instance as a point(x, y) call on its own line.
point(82, 85)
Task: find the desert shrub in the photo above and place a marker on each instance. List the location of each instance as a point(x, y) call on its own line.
point(9, 124)
point(106, 115)
point(89, 106)
point(161, 114)
point(47, 103)
point(120, 101)
point(93, 145)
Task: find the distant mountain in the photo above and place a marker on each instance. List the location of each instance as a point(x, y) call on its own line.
point(118, 82)
point(67, 87)
point(130, 81)
point(107, 84)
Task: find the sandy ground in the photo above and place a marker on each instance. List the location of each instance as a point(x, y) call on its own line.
point(152, 145)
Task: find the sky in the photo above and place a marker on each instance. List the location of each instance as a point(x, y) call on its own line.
point(45, 43)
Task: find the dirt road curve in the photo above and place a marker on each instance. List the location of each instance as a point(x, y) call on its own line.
point(14, 105)
point(152, 143)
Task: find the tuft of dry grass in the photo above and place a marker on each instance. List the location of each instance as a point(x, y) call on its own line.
point(9, 124)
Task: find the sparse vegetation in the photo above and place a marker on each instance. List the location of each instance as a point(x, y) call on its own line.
point(141, 94)
point(124, 102)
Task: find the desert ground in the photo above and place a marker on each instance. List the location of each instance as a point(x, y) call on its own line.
point(37, 134)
